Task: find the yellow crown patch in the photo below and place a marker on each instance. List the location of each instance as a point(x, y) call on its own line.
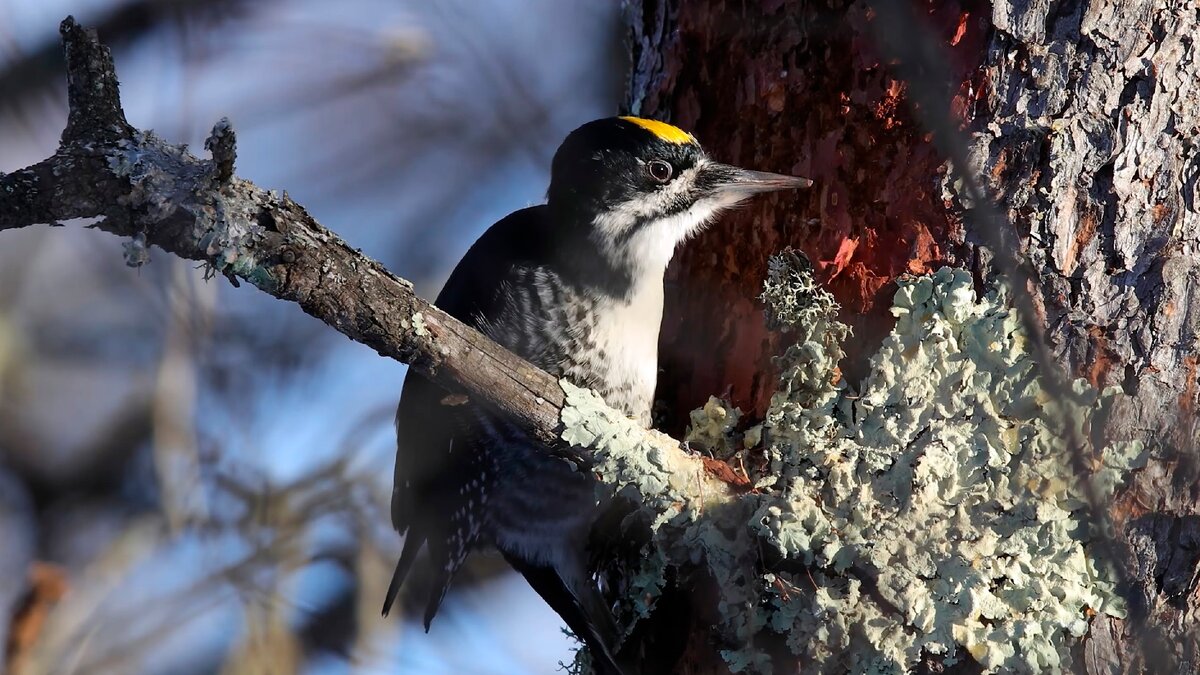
point(667, 132)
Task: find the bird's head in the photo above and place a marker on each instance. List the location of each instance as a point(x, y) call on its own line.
point(640, 187)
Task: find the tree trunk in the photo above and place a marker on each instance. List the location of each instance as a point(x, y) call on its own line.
point(1084, 119)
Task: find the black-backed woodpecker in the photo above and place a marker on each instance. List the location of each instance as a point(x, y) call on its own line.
point(574, 286)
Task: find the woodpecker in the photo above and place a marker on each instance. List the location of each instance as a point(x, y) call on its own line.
point(574, 286)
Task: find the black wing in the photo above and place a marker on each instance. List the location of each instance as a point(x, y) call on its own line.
point(431, 477)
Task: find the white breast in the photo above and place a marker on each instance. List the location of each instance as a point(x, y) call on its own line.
point(626, 333)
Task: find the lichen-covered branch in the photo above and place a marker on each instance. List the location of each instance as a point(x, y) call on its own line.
point(142, 187)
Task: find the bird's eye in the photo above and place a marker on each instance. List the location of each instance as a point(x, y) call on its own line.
point(661, 171)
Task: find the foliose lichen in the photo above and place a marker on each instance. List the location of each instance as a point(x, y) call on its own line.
point(945, 485)
point(685, 527)
point(418, 324)
point(713, 428)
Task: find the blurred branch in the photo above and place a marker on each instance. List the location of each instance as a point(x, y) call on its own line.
point(139, 186)
point(48, 584)
point(105, 626)
point(121, 25)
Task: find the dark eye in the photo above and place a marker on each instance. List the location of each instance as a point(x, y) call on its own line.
point(660, 170)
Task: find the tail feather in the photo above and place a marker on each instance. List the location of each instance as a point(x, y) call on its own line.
point(412, 545)
point(443, 565)
point(444, 568)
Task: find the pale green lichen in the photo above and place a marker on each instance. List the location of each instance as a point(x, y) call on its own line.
point(418, 324)
point(713, 428)
point(625, 455)
point(810, 384)
point(946, 484)
point(935, 512)
point(685, 528)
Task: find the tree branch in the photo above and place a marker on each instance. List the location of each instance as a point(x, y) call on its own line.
point(158, 193)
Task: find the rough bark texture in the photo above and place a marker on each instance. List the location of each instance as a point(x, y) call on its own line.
point(1085, 117)
point(1089, 135)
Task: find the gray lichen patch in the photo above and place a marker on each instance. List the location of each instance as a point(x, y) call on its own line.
point(165, 178)
point(934, 512)
point(809, 388)
point(713, 428)
point(622, 457)
point(152, 181)
point(945, 485)
point(691, 515)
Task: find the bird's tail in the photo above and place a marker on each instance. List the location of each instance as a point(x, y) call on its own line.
point(412, 546)
point(444, 566)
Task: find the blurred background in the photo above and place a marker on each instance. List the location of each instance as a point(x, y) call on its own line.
point(194, 478)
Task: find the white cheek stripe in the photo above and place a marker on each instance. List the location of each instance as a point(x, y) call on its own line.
point(650, 249)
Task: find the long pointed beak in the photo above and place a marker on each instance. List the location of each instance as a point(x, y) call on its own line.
point(741, 183)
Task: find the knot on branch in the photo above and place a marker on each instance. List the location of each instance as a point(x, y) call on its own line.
point(222, 144)
point(137, 251)
point(93, 95)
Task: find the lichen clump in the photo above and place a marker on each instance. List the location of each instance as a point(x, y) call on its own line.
point(713, 429)
point(945, 485)
point(163, 179)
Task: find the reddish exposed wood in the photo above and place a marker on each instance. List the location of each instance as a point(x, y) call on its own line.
point(1103, 358)
point(725, 473)
point(1188, 397)
point(1088, 221)
point(797, 87)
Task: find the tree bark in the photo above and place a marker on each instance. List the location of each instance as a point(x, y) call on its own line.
point(791, 86)
point(1084, 121)
point(1089, 136)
